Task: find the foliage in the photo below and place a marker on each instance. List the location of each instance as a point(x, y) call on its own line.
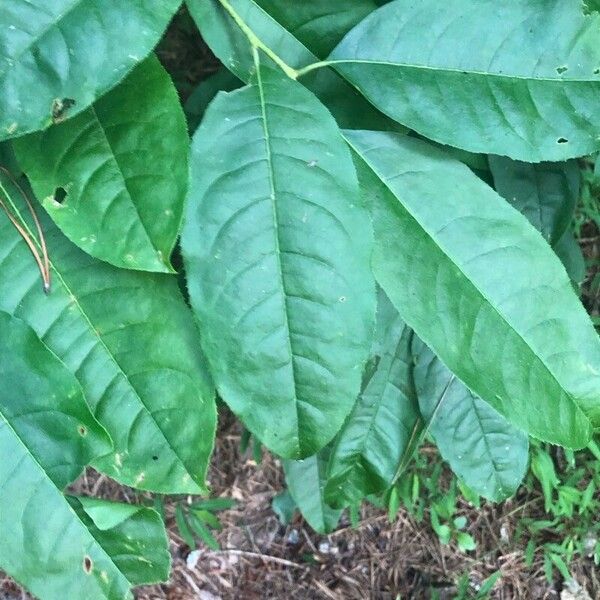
point(356, 279)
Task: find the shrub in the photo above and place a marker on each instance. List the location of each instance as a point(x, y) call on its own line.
point(375, 230)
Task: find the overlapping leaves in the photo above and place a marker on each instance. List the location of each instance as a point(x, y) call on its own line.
point(47, 436)
point(114, 177)
point(132, 343)
point(279, 255)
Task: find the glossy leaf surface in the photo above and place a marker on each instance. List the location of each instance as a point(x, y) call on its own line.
point(60, 56)
point(370, 447)
point(519, 78)
point(306, 482)
point(121, 167)
point(482, 447)
point(133, 345)
point(47, 436)
point(481, 287)
point(276, 246)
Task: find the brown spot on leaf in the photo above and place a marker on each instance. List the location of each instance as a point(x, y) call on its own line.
point(88, 565)
point(60, 108)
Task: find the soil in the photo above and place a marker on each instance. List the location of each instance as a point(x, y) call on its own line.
point(378, 560)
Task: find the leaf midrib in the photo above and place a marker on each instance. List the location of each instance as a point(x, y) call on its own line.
point(124, 180)
point(484, 435)
point(386, 63)
point(468, 279)
point(272, 197)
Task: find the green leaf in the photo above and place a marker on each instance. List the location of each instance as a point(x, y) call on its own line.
point(545, 193)
point(47, 437)
point(184, 528)
point(443, 531)
point(306, 482)
point(207, 517)
point(123, 166)
point(318, 24)
point(465, 542)
point(132, 344)
point(215, 504)
point(203, 532)
point(518, 78)
point(133, 536)
point(207, 89)
point(590, 6)
point(494, 303)
point(233, 49)
point(488, 585)
point(276, 246)
point(370, 447)
point(482, 447)
point(60, 56)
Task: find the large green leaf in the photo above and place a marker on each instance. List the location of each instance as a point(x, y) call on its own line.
point(385, 419)
point(481, 287)
point(517, 78)
point(47, 436)
point(276, 246)
point(59, 56)
point(546, 193)
point(318, 24)
point(133, 536)
point(233, 49)
point(123, 166)
point(132, 344)
point(482, 447)
point(306, 482)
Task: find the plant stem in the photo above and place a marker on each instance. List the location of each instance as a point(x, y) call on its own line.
point(256, 42)
point(317, 65)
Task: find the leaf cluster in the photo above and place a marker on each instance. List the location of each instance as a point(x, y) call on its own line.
point(374, 215)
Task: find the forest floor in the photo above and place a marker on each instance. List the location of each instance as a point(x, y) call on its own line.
point(378, 560)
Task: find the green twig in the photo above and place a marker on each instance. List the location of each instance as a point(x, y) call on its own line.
point(256, 42)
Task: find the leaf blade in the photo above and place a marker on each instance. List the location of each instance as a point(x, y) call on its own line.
point(133, 536)
point(460, 67)
point(122, 164)
point(481, 272)
point(368, 450)
point(546, 193)
point(231, 46)
point(480, 445)
point(306, 481)
point(47, 48)
point(277, 317)
point(47, 436)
